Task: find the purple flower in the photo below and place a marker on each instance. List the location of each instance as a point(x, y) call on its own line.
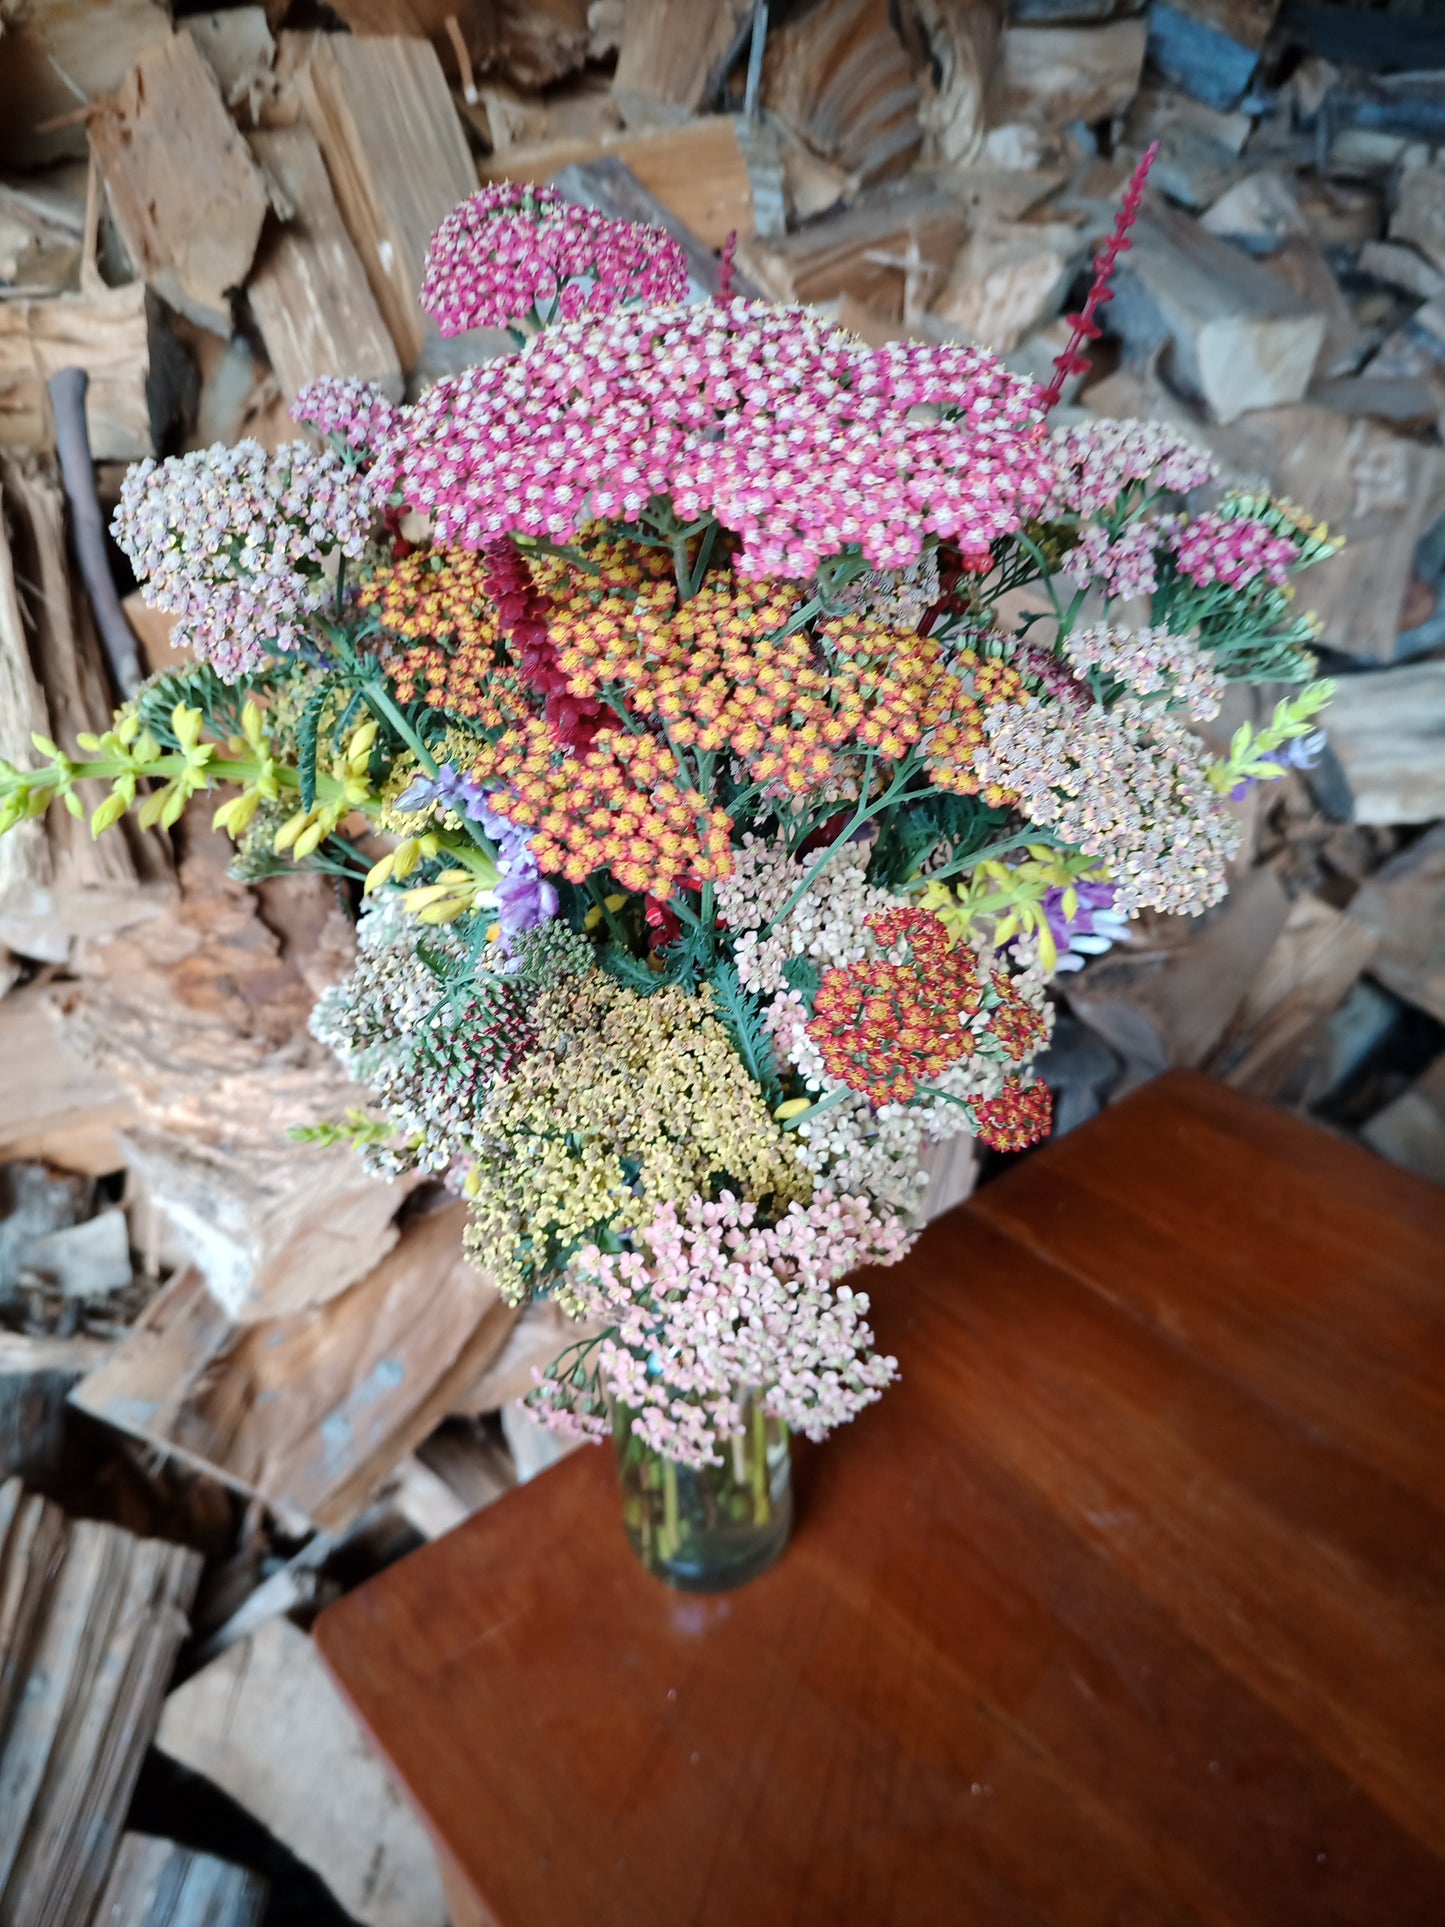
point(1300, 752)
point(524, 897)
point(1094, 927)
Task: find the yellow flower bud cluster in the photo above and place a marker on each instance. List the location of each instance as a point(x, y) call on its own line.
point(627, 1103)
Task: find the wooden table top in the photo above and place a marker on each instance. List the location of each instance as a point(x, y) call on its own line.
point(1127, 1605)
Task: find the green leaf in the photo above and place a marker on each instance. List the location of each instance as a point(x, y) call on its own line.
point(741, 1017)
point(307, 733)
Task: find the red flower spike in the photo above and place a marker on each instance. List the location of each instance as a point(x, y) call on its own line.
point(725, 269)
point(522, 613)
point(1084, 326)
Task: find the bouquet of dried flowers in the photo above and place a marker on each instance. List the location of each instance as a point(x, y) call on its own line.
point(750, 723)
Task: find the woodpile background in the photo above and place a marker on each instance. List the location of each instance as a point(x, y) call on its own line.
point(235, 1375)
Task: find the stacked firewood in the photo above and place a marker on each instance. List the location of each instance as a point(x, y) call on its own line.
point(214, 1339)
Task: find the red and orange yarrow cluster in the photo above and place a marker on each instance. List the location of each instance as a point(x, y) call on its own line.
point(616, 805)
point(888, 1028)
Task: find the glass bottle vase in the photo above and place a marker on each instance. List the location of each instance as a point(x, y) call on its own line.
point(713, 1527)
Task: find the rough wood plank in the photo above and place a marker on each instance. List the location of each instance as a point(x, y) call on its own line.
point(114, 334)
point(265, 1724)
point(184, 193)
point(311, 1412)
point(309, 291)
point(91, 1619)
point(398, 160)
point(155, 1883)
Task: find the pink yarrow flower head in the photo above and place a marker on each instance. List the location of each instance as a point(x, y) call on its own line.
point(514, 250)
point(795, 435)
point(1235, 551)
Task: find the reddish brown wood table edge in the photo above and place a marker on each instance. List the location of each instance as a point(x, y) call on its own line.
point(1132, 1574)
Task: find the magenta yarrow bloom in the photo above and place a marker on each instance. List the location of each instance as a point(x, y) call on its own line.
point(514, 248)
point(1215, 548)
point(793, 434)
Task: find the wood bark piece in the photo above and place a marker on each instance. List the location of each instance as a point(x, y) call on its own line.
point(265, 1724)
point(1236, 337)
point(1402, 906)
point(59, 55)
point(398, 161)
point(1387, 741)
point(841, 80)
point(955, 46)
point(309, 291)
point(185, 195)
point(155, 1883)
point(58, 883)
point(698, 173)
point(314, 1411)
point(900, 237)
point(91, 1619)
point(1316, 958)
point(1410, 1131)
point(671, 56)
point(1049, 76)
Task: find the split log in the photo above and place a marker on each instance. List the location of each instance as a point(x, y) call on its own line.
point(1419, 215)
point(474, 25)
point(672, 56)
point(186, 197)
point(1174, 1007)
point(613, 189)
point(1403, 907)
point(57, 882)
point(155, 1883)
point(955, 46)
point(1210, 48)
point(541, 41)
point(698, 173)
point(1049, 76)
point(309, 291)
point(399, 163)
point(1235, 336)
point(91, 1619)
point(1299, 261)
point(42, 230)
point(1008, 280)
point(540, 1333)
point(312, 1412)
point(59, 55)
point(841, 81)
point(1200, 148)
point(264, 1723)
point(455, 1473)
point(137, 379)
point(1305, 977)
point(1387, 744)
point(1262, 205)
point(1410, 1131)
point(888, 251)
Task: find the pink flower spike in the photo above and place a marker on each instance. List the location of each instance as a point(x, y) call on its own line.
point(1085, 327)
